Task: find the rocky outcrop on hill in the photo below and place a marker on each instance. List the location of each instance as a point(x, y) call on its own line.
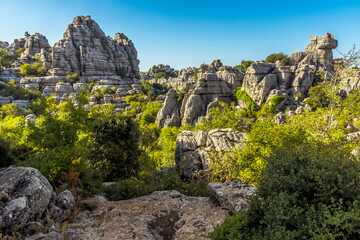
point(266, 80)
point(86, 50)
point(33, 47)
point(25, 198)
point(169, 115)
point(215, 84)
point(193, 149)
point(150, 74)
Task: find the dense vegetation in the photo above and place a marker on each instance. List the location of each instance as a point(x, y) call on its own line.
point(308, 182)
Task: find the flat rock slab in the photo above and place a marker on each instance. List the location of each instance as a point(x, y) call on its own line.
point(232, 195)
point(161, 215)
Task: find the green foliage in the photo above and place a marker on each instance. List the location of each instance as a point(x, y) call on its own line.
point(225, 116)
point(246, 164)
point(318, 97)
point(181, 94)
point(251, 106)
point(152, 90)
point(32, 70)
point(159, 75)
point(19, 51)
point(104, 91)
point(169, 180)
point(308, 191)
point(116, 143)
point(149, 112)
point(243, 66)
point(11, 89)
point(272, 58)
point(72, 78)
point(6, 59)
point(5, 159)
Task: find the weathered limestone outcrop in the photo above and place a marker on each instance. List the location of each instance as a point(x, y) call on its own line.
point(169, 115)
point(26, 195)
point(232, 195)
point(266, 80)
point(86, 50)
point(161, 215)
point(150, 74)
point(214, 84)
point(34, 47)
point(193, 149)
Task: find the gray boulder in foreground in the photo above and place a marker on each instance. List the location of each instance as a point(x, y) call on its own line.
point(232, 196)
point(26, 196)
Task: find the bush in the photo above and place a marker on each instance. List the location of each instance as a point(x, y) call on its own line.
point(251, 106)
point(308, 191)
point(5, 160)
point(11, 89)
point(72, 78)
point(116, 143)
point(243, 66)
point(32, 70)
point(6, 59)
point(272, 58)
point(19, 51)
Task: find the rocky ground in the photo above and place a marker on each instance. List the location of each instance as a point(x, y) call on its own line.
point(31, 210)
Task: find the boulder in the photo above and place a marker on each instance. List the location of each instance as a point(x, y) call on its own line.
point(161, 215)
point(25, 195)
point(232, 195)
point(193, 149)
point(169, 114)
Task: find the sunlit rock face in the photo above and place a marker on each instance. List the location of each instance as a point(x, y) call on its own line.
point(263, 81)
point(87, 51)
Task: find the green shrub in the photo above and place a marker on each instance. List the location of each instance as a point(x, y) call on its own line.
point(72, 78)
point(159, 75)
point(318, 97)
point(251, 106)
point(116, 143)
point(272, 58)
point(6, 59)
point(19, 51)
point(5, 160)
point(11, 89)
point(308, 191)
point(243, 66)
point(32, 70)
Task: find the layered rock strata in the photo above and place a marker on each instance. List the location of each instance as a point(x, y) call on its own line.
point(193, 149)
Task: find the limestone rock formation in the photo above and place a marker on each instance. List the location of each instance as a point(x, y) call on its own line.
point(150, 74)
point(161, 215)
point(25, 196)
point(33, 47)
point(86, 50)
point(208, 89)
point(262, 78)
point(232, 195)
point(193, 149)
point(215, 84)
point(169, 115)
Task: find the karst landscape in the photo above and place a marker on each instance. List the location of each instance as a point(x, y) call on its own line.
point(93, 148)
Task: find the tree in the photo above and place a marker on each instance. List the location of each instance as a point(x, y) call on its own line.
point(243, 66)
point(272, 58)
point(116, 143)
point(308, 191)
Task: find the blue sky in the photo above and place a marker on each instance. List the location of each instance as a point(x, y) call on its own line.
point(189, 33)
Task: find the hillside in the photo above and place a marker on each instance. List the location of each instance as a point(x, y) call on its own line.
point(92, 148)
